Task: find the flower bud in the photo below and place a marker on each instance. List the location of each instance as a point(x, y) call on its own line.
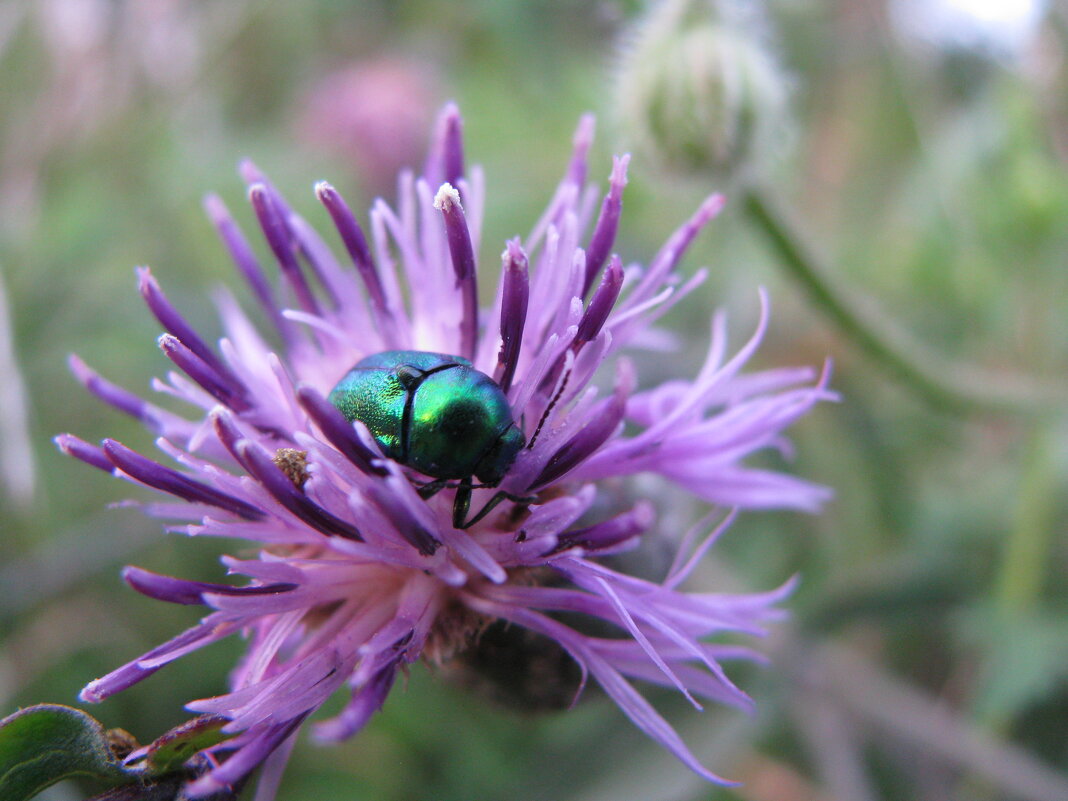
point(699, 92)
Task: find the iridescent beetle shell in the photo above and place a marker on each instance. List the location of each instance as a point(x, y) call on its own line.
point(432, 412)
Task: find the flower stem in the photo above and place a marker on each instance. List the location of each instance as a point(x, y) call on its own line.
point(941, 383)
point(1027, 550)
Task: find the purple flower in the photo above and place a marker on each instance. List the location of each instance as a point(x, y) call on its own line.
point(358, 574)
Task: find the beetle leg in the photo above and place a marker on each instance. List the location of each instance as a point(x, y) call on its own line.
point(432, 488)
point(461, 504)
point(491, 504)
point(510, 496)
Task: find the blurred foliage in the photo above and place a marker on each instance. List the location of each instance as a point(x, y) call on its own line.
point(936, 183)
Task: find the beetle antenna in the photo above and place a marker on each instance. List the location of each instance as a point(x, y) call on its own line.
point(549, 408)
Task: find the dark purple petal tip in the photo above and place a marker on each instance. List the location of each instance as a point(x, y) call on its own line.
point(173, 322)
point(581, 142)
point(446, 161)
point(604, 231)
point(447, 201)
point(604, 299)
point(271, 215)
point(82, 450)
point(181, 591)
point(609, 533)
point(222, 386)
point(168, 480)
point(355, 242)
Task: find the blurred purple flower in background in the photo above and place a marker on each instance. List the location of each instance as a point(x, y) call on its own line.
point(359, 574)
point(373, 115)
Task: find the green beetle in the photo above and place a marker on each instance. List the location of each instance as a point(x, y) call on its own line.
point(436, 414)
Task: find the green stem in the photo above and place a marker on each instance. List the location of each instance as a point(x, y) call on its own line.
point(1023, 566)
point(911, 363)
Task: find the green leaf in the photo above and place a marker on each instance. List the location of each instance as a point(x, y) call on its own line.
point(43, 744)
point(177, 746)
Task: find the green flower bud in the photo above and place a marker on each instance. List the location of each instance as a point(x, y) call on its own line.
point(697, 93)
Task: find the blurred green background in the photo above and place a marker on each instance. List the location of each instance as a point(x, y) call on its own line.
point(926, 164)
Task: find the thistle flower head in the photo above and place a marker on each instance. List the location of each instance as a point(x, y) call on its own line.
point(369, 559)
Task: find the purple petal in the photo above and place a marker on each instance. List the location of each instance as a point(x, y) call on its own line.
point(166, 479)
point(446, 161)
point(699, 682)
point(400, 508)
point(319, 257)
point(609, 533)
point(337, 430)
point(153, 417)
point(593, 318)
point(228, 433)
point(581, 141)
point(243, 256)
point(639, 637)
point(604, 231)
point(265, 204)
point(80, 449)
point(282, 489)
point(111, 394)
point(674, 249)
point(180, 591)
point(211, 629)
point(639, 710)
point(586, 442)
point(447, 201)
point(515, 297)
point(474, 553)
point(273, 769)
point(356, 245)
point(224, 389)
point(174, 323)
point(245, 759)
point(679, 570)
point(364, 703)
point(753, 489)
